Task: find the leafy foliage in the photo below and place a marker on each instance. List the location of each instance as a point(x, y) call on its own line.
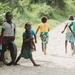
point(56, 3)
point(46, 11)
point(4, 8)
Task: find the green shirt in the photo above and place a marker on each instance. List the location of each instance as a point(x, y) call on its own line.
point(73, 24)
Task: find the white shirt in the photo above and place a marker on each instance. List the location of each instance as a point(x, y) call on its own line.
point(68, 22)
point(9, 29)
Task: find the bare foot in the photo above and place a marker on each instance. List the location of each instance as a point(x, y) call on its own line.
point(73, 53)
point(65, 51)
point(16, 64)
point(44, 52)
point(37, 65)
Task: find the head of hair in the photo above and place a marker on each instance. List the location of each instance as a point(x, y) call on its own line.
point(71, 17)
point(44, 19)
point(27, 24)
point(6, 15)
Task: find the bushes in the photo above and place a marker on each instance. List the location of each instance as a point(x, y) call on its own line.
point(39, 10)
point(1, 20)
point(46, 10)
point(4, 8)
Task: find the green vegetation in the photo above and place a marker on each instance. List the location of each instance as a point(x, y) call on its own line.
point(32, 11)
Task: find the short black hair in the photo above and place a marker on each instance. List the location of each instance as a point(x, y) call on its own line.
point(44, 19)
point(6, 15)
point(71, 17)
point(27, 23)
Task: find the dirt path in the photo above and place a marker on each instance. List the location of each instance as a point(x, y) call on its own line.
point(56, 62)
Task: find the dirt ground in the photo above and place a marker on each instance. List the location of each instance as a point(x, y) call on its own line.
point(56, 62)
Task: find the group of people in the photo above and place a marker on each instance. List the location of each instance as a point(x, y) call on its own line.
point(70, 33)
point(9, 32)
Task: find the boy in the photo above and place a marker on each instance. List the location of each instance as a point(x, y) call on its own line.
point(73, 32)
point(68, 33)
point(8, 31)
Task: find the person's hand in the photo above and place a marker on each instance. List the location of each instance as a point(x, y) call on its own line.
point(34, 48)
point(62, 32)
point(13, 38)
point(35, 41)
point(31, 38)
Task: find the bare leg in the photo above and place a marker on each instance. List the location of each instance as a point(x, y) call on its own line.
point(0, 56)
point(66, 46)
point(72, 46)
point(73, 52)
point(19, 57)
point(34, 62)
point(42, 47)
point(45, 49)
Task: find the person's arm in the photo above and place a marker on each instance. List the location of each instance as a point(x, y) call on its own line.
point(27, 39)
point(34, 45)
point(14, 31)
point(70, 28)
point(33, 33)
point(48, 29)
point(64, 29)
point(37, 29)
point(2, 32)
point(35, 37)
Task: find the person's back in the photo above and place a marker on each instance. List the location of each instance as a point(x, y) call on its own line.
point(68, 22)
point(68, 33)
point(73, 32)
point(44, 28)
point(73, 24)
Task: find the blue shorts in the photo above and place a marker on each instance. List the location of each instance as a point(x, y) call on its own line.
point(71, 40)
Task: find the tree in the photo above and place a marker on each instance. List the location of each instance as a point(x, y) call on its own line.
point(56, 3)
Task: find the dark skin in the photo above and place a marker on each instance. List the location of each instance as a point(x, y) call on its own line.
point(71, 29)
point(35, 38)
point(31, 38)
point(28, 27)
point(37, 32)
point(65, 41)
point(9, 17)
point(9, 20)
point(72, 44)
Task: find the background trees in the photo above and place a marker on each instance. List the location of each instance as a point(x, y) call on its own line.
point(51, 8)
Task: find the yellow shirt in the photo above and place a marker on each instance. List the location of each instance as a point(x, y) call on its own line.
point(43, 27)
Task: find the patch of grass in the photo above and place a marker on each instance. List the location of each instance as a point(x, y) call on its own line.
point(18, 40)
